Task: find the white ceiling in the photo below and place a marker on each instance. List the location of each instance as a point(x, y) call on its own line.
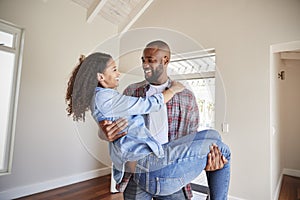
point(122, 13)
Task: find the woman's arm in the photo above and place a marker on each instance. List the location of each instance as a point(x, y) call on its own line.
point(175, 88)
point(113, 104)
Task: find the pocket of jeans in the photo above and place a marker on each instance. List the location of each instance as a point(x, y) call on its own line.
point(167, 186)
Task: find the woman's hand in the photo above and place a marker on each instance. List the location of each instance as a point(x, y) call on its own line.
point(176, 87)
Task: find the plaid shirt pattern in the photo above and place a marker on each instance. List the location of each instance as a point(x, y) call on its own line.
point(183, 119)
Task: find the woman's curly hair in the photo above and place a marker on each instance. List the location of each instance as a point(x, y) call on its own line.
point(82, 84)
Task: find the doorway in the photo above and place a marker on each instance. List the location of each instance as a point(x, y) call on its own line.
point(284, 112)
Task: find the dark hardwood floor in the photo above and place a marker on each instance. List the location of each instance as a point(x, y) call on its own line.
point(290, 188)
point(94, 189)
point(99, 188)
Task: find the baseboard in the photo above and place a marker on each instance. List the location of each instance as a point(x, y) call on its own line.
point(285, 171)
point(277, 191)
point(234, 198)
point(48, 185)
point(291, 172)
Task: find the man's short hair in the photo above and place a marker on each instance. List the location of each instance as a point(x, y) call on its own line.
point(161, 45)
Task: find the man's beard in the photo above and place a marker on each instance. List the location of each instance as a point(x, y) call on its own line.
point(155, 74)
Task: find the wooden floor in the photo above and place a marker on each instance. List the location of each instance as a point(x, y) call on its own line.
point(94, 189)
point(290, 188)
point(99, 188)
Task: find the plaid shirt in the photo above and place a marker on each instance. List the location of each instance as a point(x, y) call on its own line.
point(183, 118)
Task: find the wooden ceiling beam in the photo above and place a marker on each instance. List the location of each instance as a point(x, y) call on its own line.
point(134, 15)
point(94, 9)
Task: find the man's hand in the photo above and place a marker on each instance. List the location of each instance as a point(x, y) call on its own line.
point(215, 159)
point(112, 129)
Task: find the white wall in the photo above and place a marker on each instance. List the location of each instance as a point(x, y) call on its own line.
point(277, 153)
point(290, 111)
point(47, 147)
point(241, 32)
point(134, 41)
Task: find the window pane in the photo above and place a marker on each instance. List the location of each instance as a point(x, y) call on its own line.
point(6, 80)
point(198, 75)
point(194, 65)
point(204, 91)
point(197, 72)
point(6, 39)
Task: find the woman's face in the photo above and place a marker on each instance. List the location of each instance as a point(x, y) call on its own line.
point(110, 76)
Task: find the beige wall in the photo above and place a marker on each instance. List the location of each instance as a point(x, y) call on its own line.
point(241, 32)
point(290, 110)
point(47, 147)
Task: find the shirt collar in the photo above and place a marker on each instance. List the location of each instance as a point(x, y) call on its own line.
point(168, 84)
point(160, 87)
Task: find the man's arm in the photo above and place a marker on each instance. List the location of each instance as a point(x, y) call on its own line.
point(110, 131)
point(215, 159)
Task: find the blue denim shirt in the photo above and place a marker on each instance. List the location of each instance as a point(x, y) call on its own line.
point(109, 104)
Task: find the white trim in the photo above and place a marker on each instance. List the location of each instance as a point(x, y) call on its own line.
point(17, 50)
point(201, 75)
point(7, 49)
point(277, 191)
point(234, 198)
point(193, 54)
point(290, 55)
point(278, 48)
point(113, 183)
point(285, 171)
point(52, 184)
point(288, 46)
point(291, 172)
point(199, 195)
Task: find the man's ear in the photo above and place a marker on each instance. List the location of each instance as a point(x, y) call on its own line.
point(166, 60)
point(100, 77)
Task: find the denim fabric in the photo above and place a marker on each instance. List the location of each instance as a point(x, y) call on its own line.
point(184, 160)
point(161, 170)
point(138, 143)
point(183, 119)
point(133, 192)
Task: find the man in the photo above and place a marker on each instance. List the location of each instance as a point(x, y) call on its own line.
point(179, 117)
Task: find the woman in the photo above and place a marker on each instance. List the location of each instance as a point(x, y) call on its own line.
point(158, 169)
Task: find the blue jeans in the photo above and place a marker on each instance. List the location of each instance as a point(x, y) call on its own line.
point(134, 192)
point(184, 160)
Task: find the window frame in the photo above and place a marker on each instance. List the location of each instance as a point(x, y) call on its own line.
point(205, 74)
point(17, 50)
point(200, 184)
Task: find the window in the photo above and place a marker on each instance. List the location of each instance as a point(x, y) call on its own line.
point(10, 69)
point(197, 71)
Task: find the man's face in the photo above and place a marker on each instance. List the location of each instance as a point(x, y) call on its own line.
point(154, 69)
